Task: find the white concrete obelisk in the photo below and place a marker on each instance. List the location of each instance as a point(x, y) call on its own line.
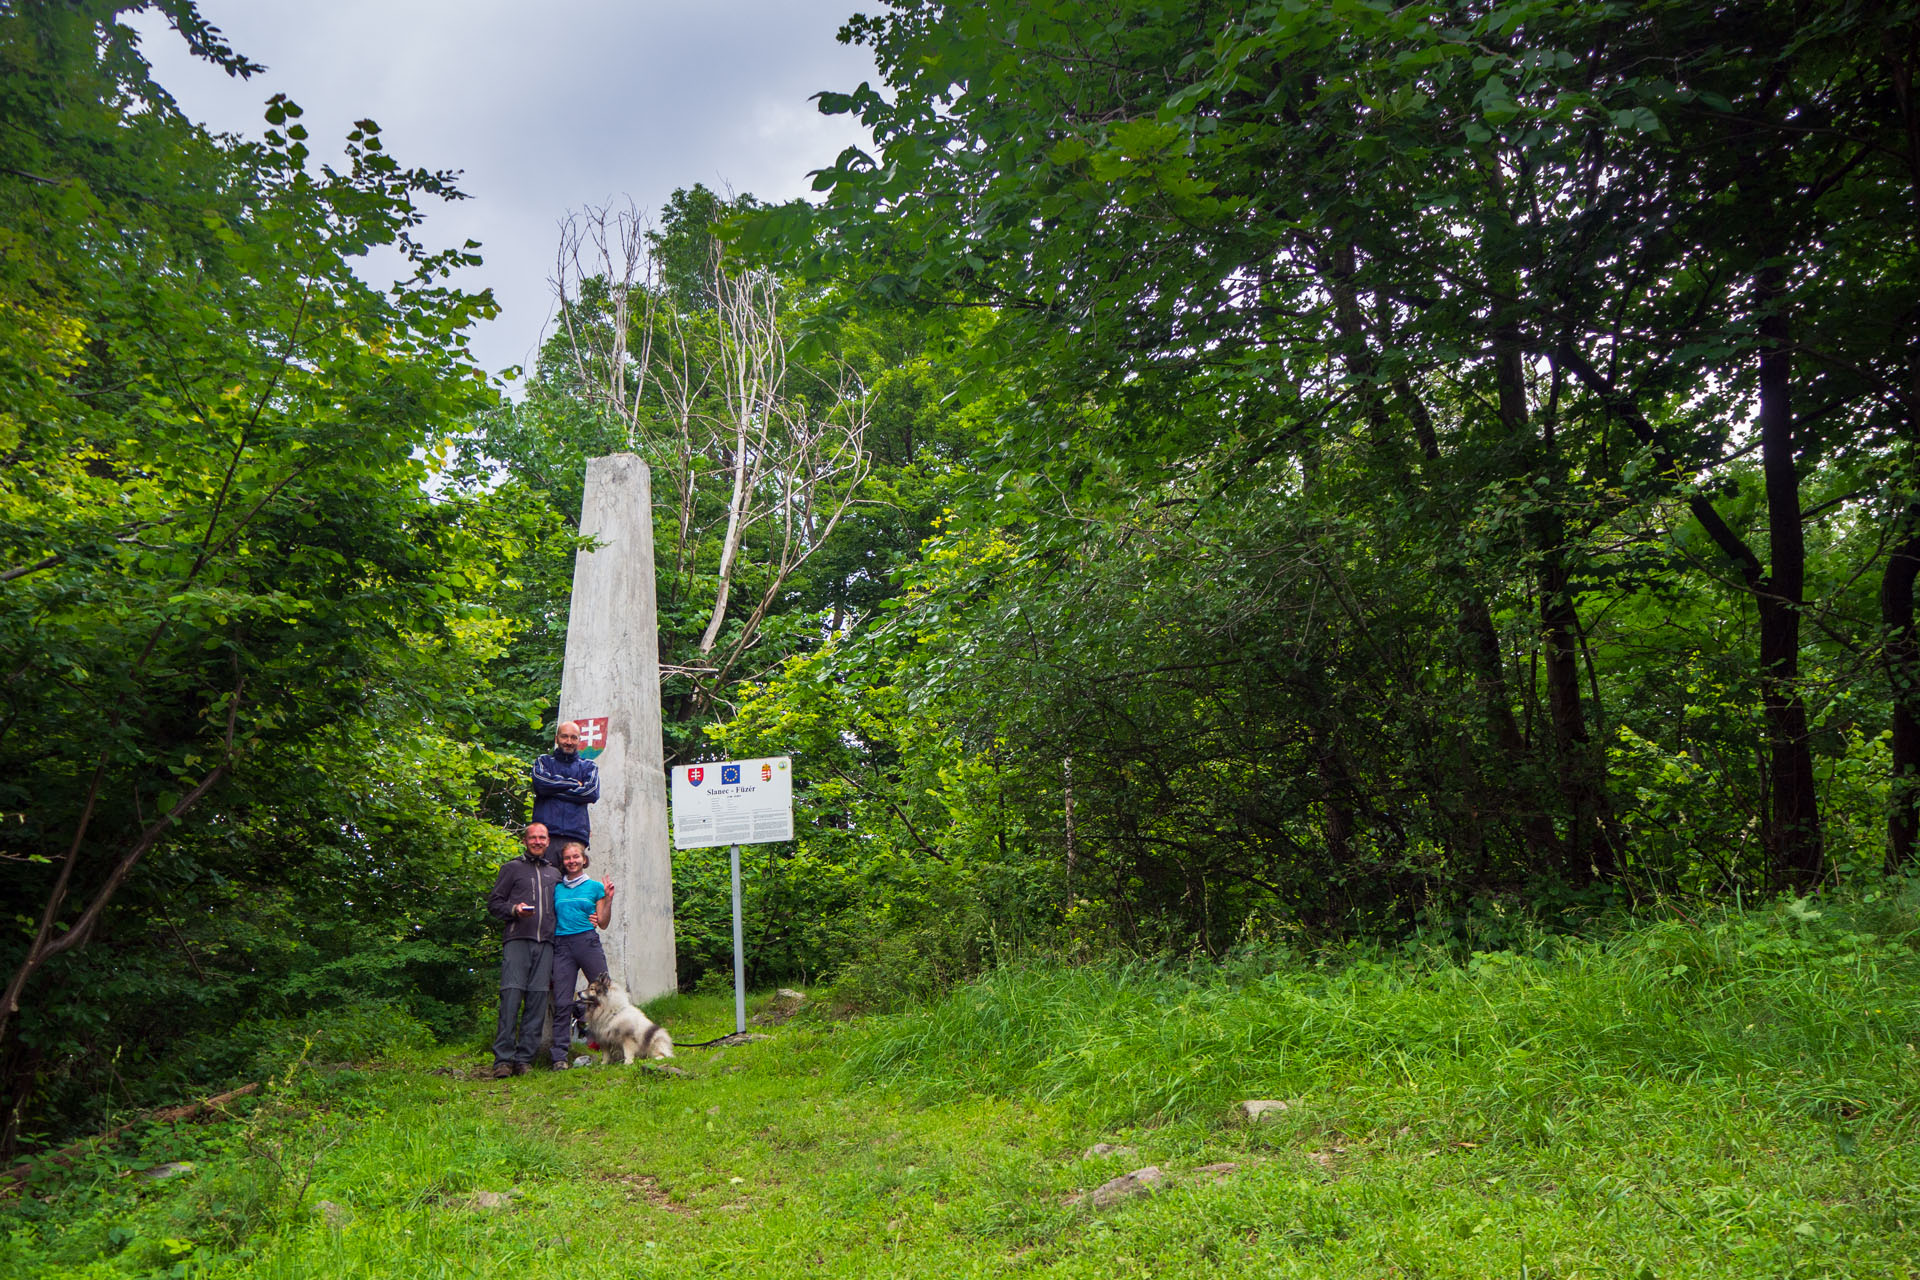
point(613, 672)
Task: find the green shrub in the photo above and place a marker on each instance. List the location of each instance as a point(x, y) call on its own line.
point(917, 964)
point(361, 1031)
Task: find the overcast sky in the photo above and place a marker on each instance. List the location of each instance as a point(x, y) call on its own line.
point(545, 107)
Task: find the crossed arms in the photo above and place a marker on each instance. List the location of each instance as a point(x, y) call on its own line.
point(582, 791)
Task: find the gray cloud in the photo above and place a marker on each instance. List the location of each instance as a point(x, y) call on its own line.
point(544, 107)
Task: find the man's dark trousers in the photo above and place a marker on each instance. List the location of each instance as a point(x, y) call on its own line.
point(526, 974)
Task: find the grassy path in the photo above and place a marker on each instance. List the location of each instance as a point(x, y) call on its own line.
point(759, 1162)
point(1611, 1113)
point(751, 1164)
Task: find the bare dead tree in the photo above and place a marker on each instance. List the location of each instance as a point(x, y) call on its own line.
point(714, 400)
point(814, 465)
point(630, 341)
point(753, 372)
point(606, 246)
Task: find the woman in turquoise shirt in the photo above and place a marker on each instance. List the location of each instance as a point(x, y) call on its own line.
point(581, 907)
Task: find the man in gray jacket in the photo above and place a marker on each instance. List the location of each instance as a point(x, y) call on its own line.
point(522, 898)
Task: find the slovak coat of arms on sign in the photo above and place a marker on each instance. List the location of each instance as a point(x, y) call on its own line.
point(593, 736)
point(696, 775)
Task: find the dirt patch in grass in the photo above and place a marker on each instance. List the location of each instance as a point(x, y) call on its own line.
point(641, 1187)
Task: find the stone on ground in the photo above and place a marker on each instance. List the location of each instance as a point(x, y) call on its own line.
point(1218, 1172)
point(1138, 1183)
point(785, 1003)
point(161, 1172)
point(1099, 1149)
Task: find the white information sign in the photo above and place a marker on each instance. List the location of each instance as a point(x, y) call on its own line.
point(732, 802)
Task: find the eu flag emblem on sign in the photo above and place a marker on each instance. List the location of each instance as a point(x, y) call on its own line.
point(694, 775)
point(729, 775)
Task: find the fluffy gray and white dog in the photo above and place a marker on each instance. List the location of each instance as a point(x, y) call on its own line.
point(615, 1024)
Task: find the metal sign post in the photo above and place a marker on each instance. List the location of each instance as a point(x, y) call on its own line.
point(739, 955)
point(733, 802)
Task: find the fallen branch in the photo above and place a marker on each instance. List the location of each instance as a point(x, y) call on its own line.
point(165, 1115)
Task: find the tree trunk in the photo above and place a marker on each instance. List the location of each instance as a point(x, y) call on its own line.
point(19, 1075)
point(1795, 846)
point(1578, 773)
point(1480, 645)
point(1482, 651)
point(730, 545)
point(1339, 814)
point(1073, 849)
point(1791, 803)
point(1582, 769)
point(1901, 648)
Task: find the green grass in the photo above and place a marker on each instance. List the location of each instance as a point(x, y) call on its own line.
point(1728, 1098)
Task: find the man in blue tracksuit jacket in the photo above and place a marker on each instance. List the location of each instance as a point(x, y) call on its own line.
point(563, 786)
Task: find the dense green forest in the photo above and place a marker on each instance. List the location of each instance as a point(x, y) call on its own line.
point(1209, 475)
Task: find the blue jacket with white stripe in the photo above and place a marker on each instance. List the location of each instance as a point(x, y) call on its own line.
point(563, 786)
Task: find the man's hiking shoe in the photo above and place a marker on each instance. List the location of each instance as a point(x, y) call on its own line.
point(501, 1070)
point(561, 1065)
point(519, 1068)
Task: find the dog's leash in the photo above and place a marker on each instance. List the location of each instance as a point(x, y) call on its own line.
point(733, 1037)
